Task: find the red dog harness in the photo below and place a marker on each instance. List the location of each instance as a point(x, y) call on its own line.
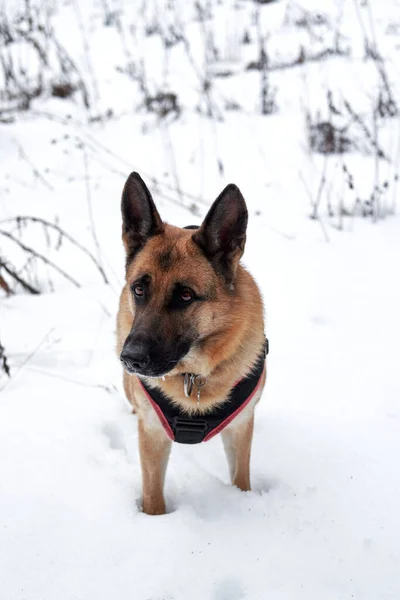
point(192, 429)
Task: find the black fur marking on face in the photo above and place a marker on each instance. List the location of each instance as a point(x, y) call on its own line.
point(165, 260)
point(176, 302)
point(192, 227)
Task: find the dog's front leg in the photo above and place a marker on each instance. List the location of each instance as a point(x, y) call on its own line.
point(154, 448)
point(237, 439)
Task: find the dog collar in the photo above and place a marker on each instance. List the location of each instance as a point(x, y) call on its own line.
point(191, 379)
point(193, 429)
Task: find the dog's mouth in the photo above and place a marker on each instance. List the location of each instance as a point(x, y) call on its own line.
point(151, 371)
point(147, 358)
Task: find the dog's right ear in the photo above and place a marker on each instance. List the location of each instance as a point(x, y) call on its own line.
point(222, 235)
point(140, 218)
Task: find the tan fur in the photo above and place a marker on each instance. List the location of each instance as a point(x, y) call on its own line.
point(231, 331)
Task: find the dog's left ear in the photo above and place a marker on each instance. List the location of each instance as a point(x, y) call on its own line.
point(222, 235)
point(140, 218)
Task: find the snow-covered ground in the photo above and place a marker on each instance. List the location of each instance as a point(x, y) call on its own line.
point(322, 520)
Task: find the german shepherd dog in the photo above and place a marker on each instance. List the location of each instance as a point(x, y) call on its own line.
point(189, 313)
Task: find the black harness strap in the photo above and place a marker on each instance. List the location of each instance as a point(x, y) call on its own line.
point(193, 429)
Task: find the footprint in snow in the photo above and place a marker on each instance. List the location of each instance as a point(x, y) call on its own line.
point(115, 436)
point(228, 589)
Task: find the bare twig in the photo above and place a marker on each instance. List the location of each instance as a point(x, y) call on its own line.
point(376, 209)
point(298, 61)
point(171, 152)
point(110, 389)
point(86, 49)
point(315, 216)
point(27, 286)
point(90, 209)
point(3, 361)
point(316, 202)
point(396, 173)
point(387, 104)
point(96, 145)
point(63, 233)
point(35, 171)
point(365, 129)
point(4, 285)
point(41, 257)
point(28, 358)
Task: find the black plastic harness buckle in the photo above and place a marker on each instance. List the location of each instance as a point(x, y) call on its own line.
point(189, 432)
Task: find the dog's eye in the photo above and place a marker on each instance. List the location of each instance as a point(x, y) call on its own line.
point(138, 290)
point(187, 296)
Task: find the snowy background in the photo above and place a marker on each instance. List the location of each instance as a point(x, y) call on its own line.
point(298, 104)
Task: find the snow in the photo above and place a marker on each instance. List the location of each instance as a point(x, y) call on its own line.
point(322, 520)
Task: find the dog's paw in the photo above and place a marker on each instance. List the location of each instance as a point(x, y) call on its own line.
point(154, 508)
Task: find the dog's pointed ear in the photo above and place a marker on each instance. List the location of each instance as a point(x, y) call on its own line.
point(140, 218)
point(222, 235)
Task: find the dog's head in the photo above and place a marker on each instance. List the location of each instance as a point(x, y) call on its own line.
point(181, 282)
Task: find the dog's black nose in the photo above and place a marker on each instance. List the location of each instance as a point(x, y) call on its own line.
point(135, 356)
